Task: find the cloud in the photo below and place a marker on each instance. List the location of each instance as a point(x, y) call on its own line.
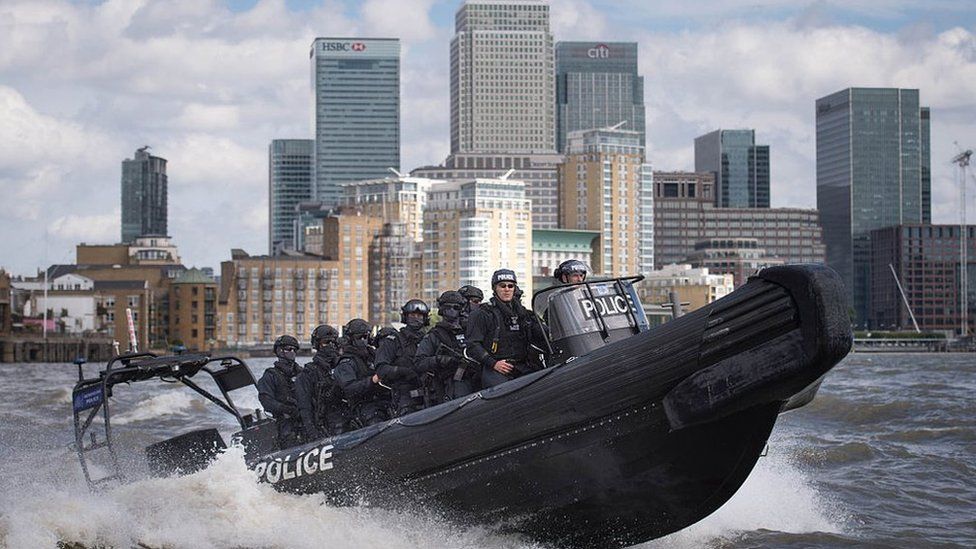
point(577, 20)
point(408, 20)
point(768, 76)
point(87, 228)
point(85, 84)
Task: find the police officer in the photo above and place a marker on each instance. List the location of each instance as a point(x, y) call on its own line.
point(319, 396)
point(356, 376)
point(473, 297)
point(500, 334)
point(395, 358)
point(276, 391)
point(472, 294)
point(571, 271)
point(445, 371)
point(381, 334)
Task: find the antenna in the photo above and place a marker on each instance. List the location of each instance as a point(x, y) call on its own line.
point(962, 160)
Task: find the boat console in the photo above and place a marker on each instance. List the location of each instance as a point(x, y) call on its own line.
point(589, 315)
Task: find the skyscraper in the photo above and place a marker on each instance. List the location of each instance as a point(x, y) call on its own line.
point(143, 195)
point(289, 183)
point(872, 151)
point(606, 186)
point(502, 78)
point(597, 86)
point(740, 166)
point(356, 82)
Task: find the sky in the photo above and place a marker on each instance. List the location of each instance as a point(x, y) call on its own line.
point(209, 83)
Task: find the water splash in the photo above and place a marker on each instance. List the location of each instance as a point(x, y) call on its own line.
point(777, 496)
point(172, 402)
point(220, 507)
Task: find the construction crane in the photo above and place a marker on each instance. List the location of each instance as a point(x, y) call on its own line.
point(962, 160)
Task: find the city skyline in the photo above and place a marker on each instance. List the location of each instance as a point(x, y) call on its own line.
point(210, 86)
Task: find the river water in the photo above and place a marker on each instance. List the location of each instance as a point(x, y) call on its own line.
point(884, 457)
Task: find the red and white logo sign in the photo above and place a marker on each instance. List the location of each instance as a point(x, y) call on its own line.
point(358, 46)
point(599, 51)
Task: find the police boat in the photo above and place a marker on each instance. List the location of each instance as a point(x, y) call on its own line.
point(631, 434)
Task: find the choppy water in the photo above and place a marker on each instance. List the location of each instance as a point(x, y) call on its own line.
point(885, 456)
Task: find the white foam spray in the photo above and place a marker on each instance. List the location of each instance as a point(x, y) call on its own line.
point(777, 496)
point(220, 507)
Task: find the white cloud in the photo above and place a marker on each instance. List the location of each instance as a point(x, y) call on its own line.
point(87, 228)
point(405, 19)
point(577, 20)
point(209, 117)
point(768, 76)
point(208, 88)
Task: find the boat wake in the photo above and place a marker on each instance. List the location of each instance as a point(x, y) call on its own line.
point(223, 506)
point(778, 496)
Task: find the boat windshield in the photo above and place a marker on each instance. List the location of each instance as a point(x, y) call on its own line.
point(591, 314)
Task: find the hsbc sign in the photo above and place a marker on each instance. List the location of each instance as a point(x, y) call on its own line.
point(599, 51)
point(343, 46)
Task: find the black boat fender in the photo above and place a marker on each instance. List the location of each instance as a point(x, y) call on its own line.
point(803, 313)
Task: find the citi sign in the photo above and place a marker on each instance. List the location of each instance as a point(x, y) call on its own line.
point(600, 51)
point(343, 46)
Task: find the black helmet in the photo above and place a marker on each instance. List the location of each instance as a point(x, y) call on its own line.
point(385, 331)
point(503, 275)
point(324, 334)
point(570, 266)
point(471, 292)
point(415, 306)
point(285, 341)
point(356, 327)
point(448, 299)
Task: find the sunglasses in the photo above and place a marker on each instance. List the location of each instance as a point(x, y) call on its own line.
point(505, 286)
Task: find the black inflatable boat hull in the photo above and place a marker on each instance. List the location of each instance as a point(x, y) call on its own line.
point(633, 441)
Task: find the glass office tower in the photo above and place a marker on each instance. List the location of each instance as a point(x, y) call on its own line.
point(740, 166)
point(872, 160)
point(144, 195)
point(356, 82)
point(597, 86)
point(502, 79)
point(289, 183)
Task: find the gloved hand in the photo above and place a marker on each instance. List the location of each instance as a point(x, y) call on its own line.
point(445, 361)
point(289, 411)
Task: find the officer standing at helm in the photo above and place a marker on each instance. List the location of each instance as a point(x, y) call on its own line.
point(571, 271)
point(501, 333)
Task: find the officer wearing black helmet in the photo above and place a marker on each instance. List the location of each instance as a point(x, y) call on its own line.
point(473, 296)
point(381, 334)
point(501, 334)
point(319, 396)
point(368, 400)
point(395, 358)
point(446, 373)
point(571, 271)
point(276, 391)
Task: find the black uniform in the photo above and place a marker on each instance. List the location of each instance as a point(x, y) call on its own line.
point(368, 401)
point(323, 411)
point(441, 363)
point(276, 391)
point(395, 366)
point(504, 331)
